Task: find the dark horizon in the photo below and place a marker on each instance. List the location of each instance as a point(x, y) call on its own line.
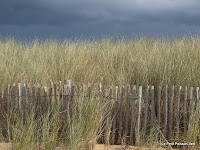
point(25, 19)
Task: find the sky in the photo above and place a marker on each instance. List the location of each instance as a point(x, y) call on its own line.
point(98, 18)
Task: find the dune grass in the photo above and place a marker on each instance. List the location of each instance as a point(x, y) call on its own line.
point(141, 61)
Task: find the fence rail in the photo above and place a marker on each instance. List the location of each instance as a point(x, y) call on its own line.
point(131, 116)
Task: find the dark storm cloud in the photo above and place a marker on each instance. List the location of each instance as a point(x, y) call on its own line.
point(64, 18)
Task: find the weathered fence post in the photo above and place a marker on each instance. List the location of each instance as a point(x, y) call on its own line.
point(55, 97)
point(171, 114)
point(61, 94)
point(65, 97)
point(50, 96)
point(139, 115)
point(127, 110)
point(39, 98)
point(178, 111)
point(33, 97)
point(133, 114)
point(121, 115)
point(115, 114)
point(45, 100)
point(158, 105)
point(185, 112)
point(152, 107)
point(13, 97)
point(8, 105)
point(89, 91)
point(165, 112)
point(191, 103)
point(108, 123)
point(3, 112)
point(19, 98)
point(24, 101)
point(146, 109)
point(29, 98)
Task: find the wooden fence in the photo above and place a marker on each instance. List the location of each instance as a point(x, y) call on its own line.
point(134, 111)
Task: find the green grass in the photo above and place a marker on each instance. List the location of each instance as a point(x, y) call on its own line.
point(142, 61)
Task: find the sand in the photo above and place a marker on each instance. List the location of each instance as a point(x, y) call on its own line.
point(119, 147)
point(8, 146)
point(5, 146)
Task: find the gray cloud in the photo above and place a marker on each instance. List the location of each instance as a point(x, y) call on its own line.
point(62, 18)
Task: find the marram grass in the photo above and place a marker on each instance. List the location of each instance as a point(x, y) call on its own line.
point(142, 61)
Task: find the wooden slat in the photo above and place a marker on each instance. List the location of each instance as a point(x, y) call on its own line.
point(83, 89)
point(45, 99)
point(152, 107)
point(19, 97)
point(24, 101)
point(197, 104)
point(197, 108)
point(158, 105)
point(3, 112)
point(29, 96)
point(110, 98)
point(146, 109)
point(185, 112)
point(197, 90)
point(8, 103)
point(72, 92)
point(191, 102)
point(61, 93)
point(121, 115)
point(39, 98)
point(33, 97)
point(165, 111)
point(100, 88)
point(133, 115)
point(171, 114)
point(89, 91)
point(178, 111)
point(71, 99)
point(78, 90)
point(65, 96)
point(13, 97)
point(127, 109)
point(139, 115)
point(107, 136)
point(50, 96)
point(115, 115)
point(69, 85)
point(55, 97)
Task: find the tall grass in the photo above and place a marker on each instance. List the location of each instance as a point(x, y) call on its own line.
point(142, 61)
point(75, 129)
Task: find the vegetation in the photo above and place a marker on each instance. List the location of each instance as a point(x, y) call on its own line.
point(140, 61)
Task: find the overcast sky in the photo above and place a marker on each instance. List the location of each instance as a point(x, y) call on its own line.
point(69, 18)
